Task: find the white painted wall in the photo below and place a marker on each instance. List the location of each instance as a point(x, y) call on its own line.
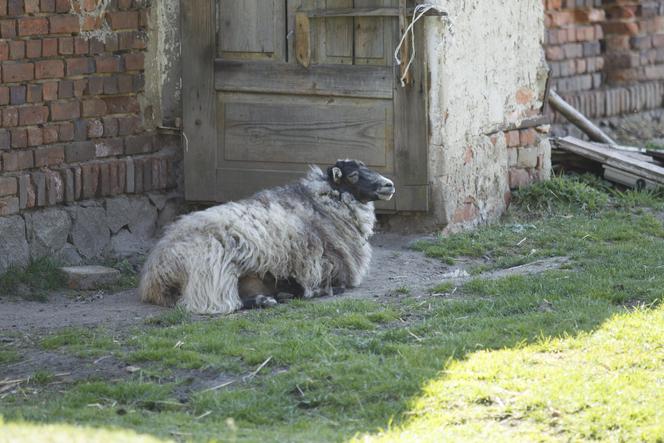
point(480, 58)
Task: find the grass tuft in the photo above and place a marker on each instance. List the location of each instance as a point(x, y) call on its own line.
point(33, 282)
point(566, 193)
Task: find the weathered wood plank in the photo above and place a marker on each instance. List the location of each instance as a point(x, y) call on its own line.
point(613, 158)
point(302, 40)
point(373, 37)
point(411, 128)
point(198, 100)
point(339, 80)
point(252, 29)
point(367, 12)
point(307, 131)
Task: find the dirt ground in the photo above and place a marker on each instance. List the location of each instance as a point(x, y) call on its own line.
point(395, 269)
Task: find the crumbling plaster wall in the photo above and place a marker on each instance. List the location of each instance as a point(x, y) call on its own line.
point(487, 74)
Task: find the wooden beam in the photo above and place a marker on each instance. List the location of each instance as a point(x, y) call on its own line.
point(579, 120)
point(302, 39)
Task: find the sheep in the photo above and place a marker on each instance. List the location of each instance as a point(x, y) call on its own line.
point(309, 236)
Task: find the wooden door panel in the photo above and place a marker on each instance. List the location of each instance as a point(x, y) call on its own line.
point(252, 29)
point(293, 79)
point(256, 118)
point(264, 128)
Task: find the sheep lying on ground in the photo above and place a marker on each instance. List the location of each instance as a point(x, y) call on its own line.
point(309, 236)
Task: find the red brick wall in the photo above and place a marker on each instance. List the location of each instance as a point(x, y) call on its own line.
point(606, 56)
point(71, 126)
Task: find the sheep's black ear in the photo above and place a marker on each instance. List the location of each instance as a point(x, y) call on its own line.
point(334, 174)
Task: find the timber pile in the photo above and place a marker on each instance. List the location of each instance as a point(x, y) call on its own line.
point(634, 167)
point(626, 166)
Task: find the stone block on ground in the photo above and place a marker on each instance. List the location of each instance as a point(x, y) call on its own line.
point(90, 277)
point(47, 231)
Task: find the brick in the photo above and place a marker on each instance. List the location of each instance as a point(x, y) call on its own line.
point(512, 138)
point(50, 47)
point(65, 110)
point(528, 157)
point(147, 175)
point(78, 182)
point(31, 6)
point(47, 5)
point(527, 137)
point(134, 61)
point(9, 117)
point(62, 5)
point(17, 72)
point(68, 178)
point(15, 8)
point(131, 40)
point(65, 89)
point(111, 44)
point(17, 50)
point(26, 192)
point(123, 20)
point(19, 138)
point(130, 179)
point(104, 179)
point(49, 69)
point(50, 91)
point(122, 105)
point(4, 50)
point(9, 206)
point(109, 147)
point(32, 26)
point(80, 85)
point(66, 131)
point(8, 186)
point(33, 115)
point(94, 107)
point(128, 125)
point(35, 137)
point(140, 144)
point(64, 24)
point(81, 46)
point(79, 151)
point(39, 186)
point(8, 28)
point(95, 85)
point(10, 161)
point(108, 64)
point(3, 8)
point(80, 130)
point(34, 93)
point(110, 126)
point(97, 46)
point(55, 190)
point(5, 139)
point(4, 95)
point(33, 48)
point(26, 159)
point(90, 180)
point(65, 45)
point(50, 134)
point(518, 178)
point(95, 130)
point(138, 175)
point(17, 95)
point(51, 156)
point(80, 66)
point(111, 85)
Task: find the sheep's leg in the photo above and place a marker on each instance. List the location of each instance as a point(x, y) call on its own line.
point(259, 301)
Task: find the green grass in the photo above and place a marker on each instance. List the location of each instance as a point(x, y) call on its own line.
point(33, 282)
point(573, 354)
point(82, 342)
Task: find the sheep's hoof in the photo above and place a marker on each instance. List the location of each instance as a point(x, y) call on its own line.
point(283, 297)
point(263, 301)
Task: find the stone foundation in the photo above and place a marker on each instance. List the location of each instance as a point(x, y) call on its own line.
point(88, 231)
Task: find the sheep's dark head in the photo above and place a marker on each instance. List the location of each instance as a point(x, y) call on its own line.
point(354, 177)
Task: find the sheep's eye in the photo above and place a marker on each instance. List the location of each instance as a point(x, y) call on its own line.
point(353, 177)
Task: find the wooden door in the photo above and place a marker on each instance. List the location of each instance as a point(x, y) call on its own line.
point(271, 86)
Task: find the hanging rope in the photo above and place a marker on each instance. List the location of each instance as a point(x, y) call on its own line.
point(419, 12)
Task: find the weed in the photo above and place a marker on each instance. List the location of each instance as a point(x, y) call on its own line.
point(173, 317)
point(34, 281)
point(561, 193)
point(403, 290)
point(42, 377)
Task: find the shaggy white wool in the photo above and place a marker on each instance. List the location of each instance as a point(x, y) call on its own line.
point(307, 231)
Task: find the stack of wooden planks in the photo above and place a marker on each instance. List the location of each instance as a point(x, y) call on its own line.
point(633, 167)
